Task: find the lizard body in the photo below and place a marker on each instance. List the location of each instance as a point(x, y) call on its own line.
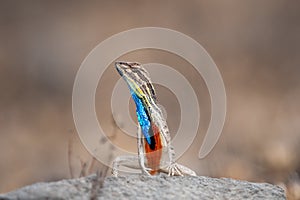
point(153, 133)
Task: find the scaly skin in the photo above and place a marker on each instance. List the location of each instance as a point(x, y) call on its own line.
point(153, 133)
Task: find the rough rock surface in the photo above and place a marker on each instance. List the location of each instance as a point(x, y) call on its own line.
point(142, 187)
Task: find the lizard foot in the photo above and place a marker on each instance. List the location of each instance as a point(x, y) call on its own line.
point(175, 169)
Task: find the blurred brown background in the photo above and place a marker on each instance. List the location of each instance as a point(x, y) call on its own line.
point(255, 44)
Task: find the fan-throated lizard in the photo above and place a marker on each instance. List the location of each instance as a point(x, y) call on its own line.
point(155, 153)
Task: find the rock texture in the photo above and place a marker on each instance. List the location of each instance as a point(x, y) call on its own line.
point(142, 187)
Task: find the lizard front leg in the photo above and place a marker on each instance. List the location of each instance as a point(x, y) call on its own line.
point(126, 161)
point(133, 162)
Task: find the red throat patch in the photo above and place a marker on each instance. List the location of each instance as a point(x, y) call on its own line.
point(154, 155)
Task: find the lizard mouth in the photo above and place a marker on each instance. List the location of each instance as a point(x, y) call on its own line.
point(120, 66)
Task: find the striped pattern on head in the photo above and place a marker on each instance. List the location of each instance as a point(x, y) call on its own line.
point(137, 78)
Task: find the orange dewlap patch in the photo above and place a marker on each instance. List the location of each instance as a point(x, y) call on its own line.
point(154, 155)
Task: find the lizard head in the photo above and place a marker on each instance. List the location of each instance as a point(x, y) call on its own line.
point(137, 79)
point(126, 67)
point(129, 70)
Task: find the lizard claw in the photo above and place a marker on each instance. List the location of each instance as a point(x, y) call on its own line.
point(175, 169)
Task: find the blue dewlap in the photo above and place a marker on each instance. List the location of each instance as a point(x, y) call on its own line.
point(142, 116)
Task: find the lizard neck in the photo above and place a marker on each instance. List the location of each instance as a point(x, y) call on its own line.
point(151, 120)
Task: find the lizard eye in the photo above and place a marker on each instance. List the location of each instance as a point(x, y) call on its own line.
point(135, 65)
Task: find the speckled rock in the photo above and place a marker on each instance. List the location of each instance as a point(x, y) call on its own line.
point(142, 187)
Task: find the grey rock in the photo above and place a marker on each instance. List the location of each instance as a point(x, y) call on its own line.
point(143, 187)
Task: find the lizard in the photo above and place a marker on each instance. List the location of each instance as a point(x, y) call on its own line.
point(153, 137)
